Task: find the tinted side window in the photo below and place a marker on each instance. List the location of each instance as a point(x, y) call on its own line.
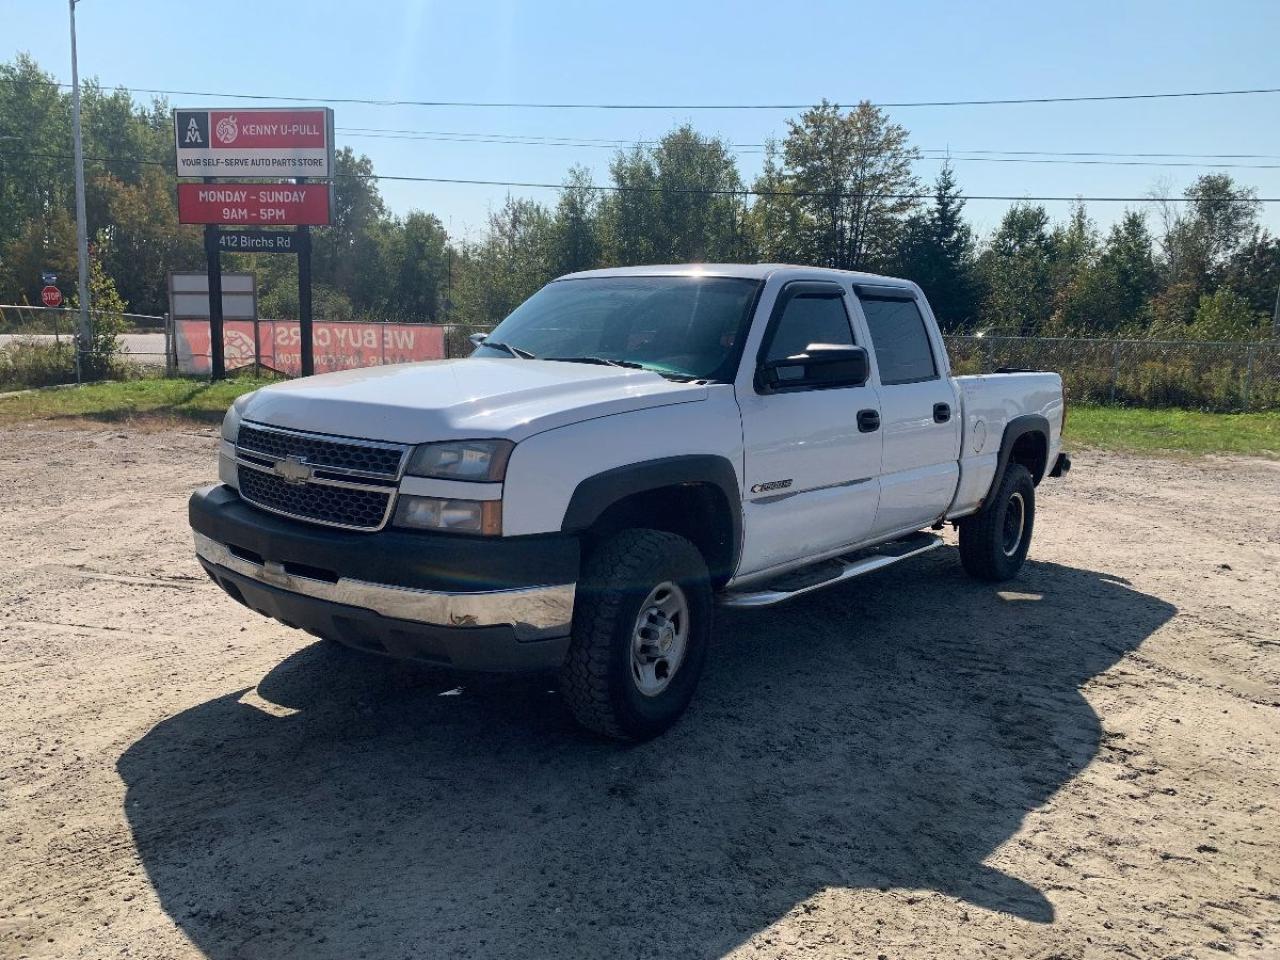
point(900, 340)
point(806, 320)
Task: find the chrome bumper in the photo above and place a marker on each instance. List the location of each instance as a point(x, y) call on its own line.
point(533, 613)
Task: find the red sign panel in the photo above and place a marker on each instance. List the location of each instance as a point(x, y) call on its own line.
point(297, 204)
point(338, 345)
point(51, 296)
point(266, 129)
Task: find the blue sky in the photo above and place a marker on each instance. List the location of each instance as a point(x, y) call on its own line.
point(692, 52)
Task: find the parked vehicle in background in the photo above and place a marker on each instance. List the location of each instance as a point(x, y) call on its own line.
point(627, 450)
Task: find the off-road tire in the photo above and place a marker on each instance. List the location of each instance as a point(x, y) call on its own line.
point(596, 678)
point(983, 540)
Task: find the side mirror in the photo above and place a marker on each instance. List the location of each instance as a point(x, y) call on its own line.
point(478, 338)
point(822, 365)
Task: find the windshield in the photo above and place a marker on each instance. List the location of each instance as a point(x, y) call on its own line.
point(679, 326)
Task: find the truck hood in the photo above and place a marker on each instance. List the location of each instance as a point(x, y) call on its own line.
point(461, 399)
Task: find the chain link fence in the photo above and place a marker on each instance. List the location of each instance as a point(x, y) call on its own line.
point(1218, 376)
point(38, 345)
point(1202, 375)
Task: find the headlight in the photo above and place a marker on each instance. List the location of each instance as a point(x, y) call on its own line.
point(478, 460)
point(231, 422)
point(459, 516)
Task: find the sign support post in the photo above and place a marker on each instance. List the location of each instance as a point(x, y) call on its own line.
point(304, 302)
point(306, 341)
point(213, 256)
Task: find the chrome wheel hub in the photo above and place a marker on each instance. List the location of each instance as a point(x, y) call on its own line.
point(659, 639)
point(1015, 521)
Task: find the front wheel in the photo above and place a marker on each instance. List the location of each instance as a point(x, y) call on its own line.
point(994, 541)
point(640, 631)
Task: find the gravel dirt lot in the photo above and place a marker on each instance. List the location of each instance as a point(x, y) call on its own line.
point(1083, 763)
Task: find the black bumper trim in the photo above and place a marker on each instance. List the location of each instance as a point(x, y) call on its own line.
point(486, 649)
point(424, 561)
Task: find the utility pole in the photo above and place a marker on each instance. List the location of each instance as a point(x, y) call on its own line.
point(84, 337)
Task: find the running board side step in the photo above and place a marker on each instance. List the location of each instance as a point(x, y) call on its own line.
point(830, 572)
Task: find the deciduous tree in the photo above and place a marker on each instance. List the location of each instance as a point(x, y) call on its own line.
point(852, 180)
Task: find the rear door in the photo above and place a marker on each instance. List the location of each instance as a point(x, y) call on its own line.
point(918, 409)
point(811, 482)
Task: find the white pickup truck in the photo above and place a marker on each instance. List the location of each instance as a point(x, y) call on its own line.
point(628, 449)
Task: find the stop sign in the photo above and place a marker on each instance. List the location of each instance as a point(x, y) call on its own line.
point(51, 296)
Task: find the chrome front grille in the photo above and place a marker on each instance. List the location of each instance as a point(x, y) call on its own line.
point(365, 458)
point(339, 506)
point(334, 481)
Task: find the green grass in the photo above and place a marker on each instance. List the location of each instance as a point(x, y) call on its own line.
point(1174, 431)
point(194, 401)
point(160, 401)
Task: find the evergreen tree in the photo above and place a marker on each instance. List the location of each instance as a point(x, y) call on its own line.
point(1253, 270)
point(575, 233)
point(937, 252)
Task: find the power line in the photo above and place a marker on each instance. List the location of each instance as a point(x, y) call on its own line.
point(791, 193)
point(943, 155)
point(530, 105)
point(1107, 153)
point(697, 191)
point(1110, 163)
point(603, 143)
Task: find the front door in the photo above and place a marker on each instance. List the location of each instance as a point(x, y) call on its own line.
point(811, 472)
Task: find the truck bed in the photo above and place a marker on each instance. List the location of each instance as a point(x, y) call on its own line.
point(988, 402)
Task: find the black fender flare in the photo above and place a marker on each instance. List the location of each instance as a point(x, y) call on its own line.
point(1015, 429)
point(596, 494)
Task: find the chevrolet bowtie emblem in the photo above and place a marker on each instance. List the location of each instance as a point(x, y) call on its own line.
point(292, 470)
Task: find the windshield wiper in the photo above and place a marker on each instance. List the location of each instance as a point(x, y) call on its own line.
point(603, 361)
point(516, 352)
point(630, 365)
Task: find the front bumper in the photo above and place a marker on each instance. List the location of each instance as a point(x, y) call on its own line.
point(467, 602)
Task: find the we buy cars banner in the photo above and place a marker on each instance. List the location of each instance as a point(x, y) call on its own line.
point(339, 345)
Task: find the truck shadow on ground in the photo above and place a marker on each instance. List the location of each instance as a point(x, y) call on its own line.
point(888, 734)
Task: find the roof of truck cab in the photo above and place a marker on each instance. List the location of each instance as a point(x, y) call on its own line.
point(750, 271)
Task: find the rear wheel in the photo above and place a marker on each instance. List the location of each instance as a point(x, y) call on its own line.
point(994, 541)
point(640, 631)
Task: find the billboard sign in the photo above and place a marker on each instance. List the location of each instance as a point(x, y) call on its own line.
point(254, 204)
point(254, 142)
